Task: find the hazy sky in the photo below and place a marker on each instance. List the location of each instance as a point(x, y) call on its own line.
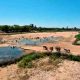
point(40, 12)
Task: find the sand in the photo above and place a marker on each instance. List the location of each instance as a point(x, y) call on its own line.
point(68, 39)
point(65, 43)
point(68, 70)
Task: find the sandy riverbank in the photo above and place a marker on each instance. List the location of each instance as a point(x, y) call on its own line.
point(68, 70)
point(68, 39)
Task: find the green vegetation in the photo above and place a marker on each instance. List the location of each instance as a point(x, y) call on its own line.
point(77, 36)
point(77, 41)
point(66, 56)
point(32, 28)
point(26, 61)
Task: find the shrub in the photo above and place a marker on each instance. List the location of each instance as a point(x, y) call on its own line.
point(26, 60)
point(77, 39)
point(29, 65)
point(55, 55)
point(74, 58)
point(77, 36)
point(65, 56)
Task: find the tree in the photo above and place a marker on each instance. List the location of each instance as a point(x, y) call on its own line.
point(5, 28)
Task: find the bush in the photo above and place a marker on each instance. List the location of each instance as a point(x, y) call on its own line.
point(55, 55)
point(27, 59)
point(77, 39)
point(77, 36)
point(74, 58)
point(29, 65)
point(65, 56)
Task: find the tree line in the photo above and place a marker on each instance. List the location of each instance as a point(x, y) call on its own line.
point(32, 28)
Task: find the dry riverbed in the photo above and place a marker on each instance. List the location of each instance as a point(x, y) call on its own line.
point(67, 70)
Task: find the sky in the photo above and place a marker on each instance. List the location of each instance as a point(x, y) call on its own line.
point(45, 13)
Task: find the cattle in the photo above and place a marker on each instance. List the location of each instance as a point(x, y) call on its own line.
point(51, 49)
point(67, 50)
point(45, 48)
point(58, 49)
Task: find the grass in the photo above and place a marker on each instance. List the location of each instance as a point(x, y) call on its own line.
point(72, 57)
point(77, 39)
point(26, 61)
point(66, 56)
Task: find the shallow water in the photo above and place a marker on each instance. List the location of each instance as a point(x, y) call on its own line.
point(38, 41)
point(9, 54)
